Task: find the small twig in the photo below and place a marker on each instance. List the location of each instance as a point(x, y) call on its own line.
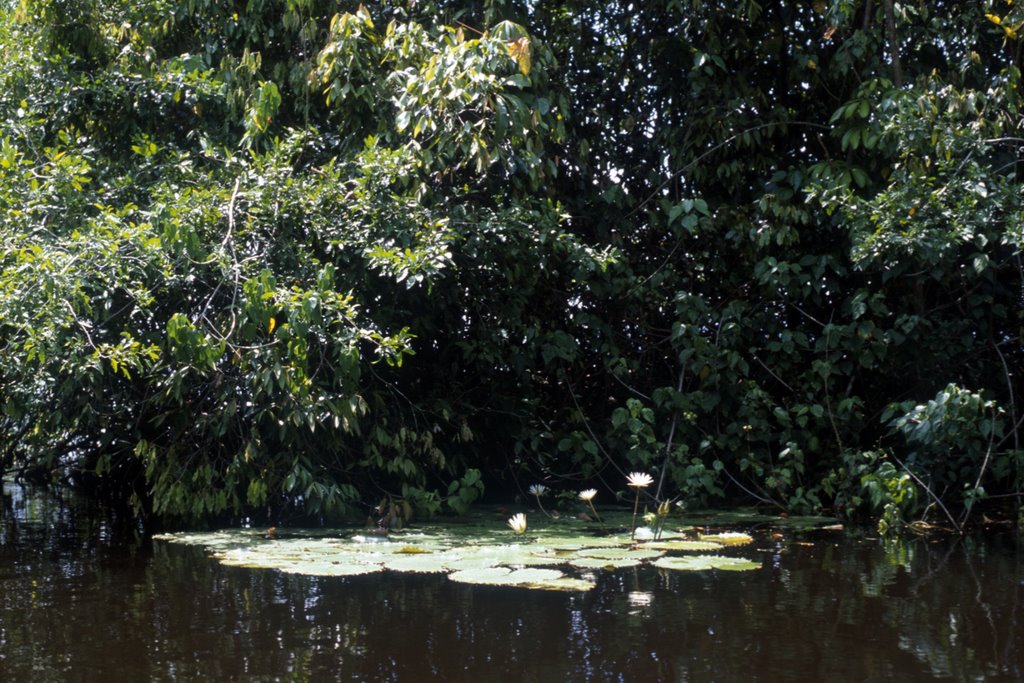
point(828, 400)
point(657, 270)
point(996, 141)
point(593, 436)
point(984, 466)
point(1014, 494)
point(807, 315)
point(772, 373)
point(671, 433)
point(231, 213)
point(234, 258)
point(1009, 388)
point(467, 26)
point(938, 501)
point(630, 389)
point(82, 325)
point(728, 141)
point(762, 498)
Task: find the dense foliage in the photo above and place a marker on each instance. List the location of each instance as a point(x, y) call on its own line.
point(288, 254)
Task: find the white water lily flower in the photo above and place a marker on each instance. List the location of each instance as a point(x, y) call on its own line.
point(639, 480)
point(517, 523)
point(588, 494)
point(538, 490)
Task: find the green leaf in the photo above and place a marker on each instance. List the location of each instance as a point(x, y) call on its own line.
point(706, 562)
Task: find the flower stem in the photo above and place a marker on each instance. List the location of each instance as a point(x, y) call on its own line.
point(636, 506)
point(594, 510)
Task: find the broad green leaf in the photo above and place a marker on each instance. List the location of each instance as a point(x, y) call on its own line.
point(706, 562)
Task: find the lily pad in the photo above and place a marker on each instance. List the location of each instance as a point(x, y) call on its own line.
point(303, 560)
point(692, 546)
point(602, 563)
point(457, 562)
point(497, 576)
point(215, 540)
point(621, 553)
point(728, 538)
point(570, 543)
point(670, 535)
point(469, 557)
point(412, 550)
point(705, 562)
point(421, 564)
point(566, 583)
point(544, 579)
point(466, 549)
point(240, 557)
point(330, 569)
point(751, 517)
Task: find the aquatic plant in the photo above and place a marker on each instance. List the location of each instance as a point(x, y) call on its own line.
point(637, 480)
point(661, 517)
point(563, 555)
point(705, 562)
point(538, 490)
point(728, 538)
point(517, 522)
point(587, 495)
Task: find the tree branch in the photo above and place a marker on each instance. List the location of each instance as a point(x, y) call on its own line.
point(894, 45)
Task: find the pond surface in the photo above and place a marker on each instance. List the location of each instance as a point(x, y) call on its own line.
point(81, 600)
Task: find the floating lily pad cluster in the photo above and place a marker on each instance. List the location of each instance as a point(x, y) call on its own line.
point(554, 559)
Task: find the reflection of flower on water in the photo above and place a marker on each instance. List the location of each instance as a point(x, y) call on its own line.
point(518, 523)
point(639, 598)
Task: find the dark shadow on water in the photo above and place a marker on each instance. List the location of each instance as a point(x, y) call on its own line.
point(82, 599)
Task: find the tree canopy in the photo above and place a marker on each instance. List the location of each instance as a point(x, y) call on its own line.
point(295, 255)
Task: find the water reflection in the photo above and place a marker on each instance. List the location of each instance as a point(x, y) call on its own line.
point(82, 600)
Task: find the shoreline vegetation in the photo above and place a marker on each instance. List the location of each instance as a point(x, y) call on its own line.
point(328, 260)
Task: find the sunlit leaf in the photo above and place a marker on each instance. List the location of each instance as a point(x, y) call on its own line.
point(520, 51)
point(684, 545)
point(621, 553)
point(705, 562)
point(603, 563)
point(728, 538)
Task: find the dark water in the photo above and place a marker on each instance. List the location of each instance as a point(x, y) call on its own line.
point(80, 601)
